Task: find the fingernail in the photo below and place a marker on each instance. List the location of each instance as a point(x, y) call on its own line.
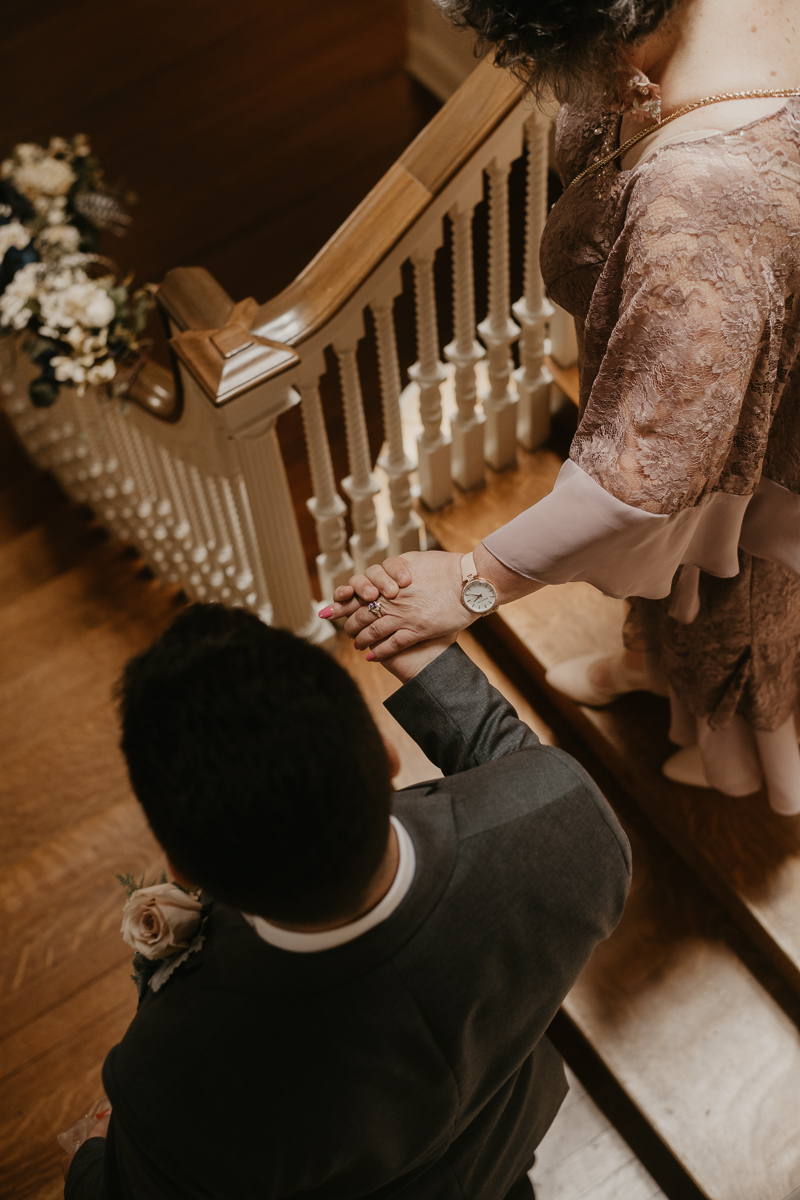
point(325, 612)
point(370, 657)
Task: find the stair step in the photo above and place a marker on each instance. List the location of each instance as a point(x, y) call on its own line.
point(703, 1051)
point(747, 855)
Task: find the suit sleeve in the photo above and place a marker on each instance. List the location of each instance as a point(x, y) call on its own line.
point(456, 717)
point(85, 1177)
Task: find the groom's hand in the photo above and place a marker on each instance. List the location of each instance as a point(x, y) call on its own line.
point(408, 663)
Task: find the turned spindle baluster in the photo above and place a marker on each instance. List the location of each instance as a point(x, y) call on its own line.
point(498, 330)
point(334, 564)
point(433, 446)
point(366, 547)
point(404, 524)
point(467, 427)
point(534, 381)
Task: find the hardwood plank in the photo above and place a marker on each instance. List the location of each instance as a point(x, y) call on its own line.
point(27, 503)
point(47, 1096)
point(43, 620)
point(41, 553)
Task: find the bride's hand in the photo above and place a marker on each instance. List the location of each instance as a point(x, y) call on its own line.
point(428, 606)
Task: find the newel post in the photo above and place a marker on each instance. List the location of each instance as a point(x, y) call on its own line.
point(277, 535)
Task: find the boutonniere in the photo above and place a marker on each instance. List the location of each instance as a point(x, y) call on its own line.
point(164, 923)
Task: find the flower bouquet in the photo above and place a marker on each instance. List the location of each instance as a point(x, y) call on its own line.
point(82, 325)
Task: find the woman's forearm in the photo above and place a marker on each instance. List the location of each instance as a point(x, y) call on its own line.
point(509, 584)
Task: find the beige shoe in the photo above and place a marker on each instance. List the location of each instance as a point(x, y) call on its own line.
point(686, 766)
point(573, 678)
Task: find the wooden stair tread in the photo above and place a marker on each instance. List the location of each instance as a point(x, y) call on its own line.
point(567, 378)
point(700, 1047)
point(582, 1155)
point(745, 853)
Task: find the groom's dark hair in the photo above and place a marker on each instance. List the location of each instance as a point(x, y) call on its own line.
point(258, 765)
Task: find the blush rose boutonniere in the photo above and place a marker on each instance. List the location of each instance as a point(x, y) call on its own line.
point(164, 923)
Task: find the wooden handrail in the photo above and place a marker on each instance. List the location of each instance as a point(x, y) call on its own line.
point(387, 212)
point(194, 300)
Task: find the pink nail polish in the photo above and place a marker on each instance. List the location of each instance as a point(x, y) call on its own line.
point(325, 612)
point(370, 657)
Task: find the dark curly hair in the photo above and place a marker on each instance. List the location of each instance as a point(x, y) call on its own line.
point(572, 48)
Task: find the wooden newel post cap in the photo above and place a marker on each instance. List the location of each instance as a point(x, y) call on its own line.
point(229, 361)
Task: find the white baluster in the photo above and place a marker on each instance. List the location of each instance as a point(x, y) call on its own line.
point(366, 547)
point(278, 538)
point(194, 545)
point(222, 574)
point(250, 581)
point(534, 381)
point(334, 564)
point(498, 330)
point(467, 427)
point(433, 446)
point(404, 524)
point(176, 550)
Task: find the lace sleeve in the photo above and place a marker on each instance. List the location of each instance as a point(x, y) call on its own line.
point(680, 401)
point(683, 348)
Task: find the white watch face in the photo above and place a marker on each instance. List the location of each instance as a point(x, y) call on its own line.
point(479, 596)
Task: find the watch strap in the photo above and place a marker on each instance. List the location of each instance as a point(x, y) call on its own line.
point(468, 568)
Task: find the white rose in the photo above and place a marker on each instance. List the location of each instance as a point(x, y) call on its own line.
point(13, 234)
point(66, 304)
point(102, 372)
point(98, 309)
point(157, 921)
point(17, 294)
point(47, 177)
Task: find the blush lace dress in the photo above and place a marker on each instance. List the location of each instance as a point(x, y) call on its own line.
point(682, 489)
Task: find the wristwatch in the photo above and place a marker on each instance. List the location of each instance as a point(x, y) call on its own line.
point(478, 595)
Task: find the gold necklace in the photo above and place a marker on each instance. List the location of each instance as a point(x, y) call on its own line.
point(760, 94)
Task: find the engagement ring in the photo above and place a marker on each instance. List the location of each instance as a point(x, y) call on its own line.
point(375, 607)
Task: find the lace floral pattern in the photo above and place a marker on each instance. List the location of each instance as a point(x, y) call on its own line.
point(682, 275)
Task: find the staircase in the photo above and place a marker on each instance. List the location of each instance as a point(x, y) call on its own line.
point(685, 1027)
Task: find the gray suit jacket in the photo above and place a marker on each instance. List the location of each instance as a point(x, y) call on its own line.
point(413, 1061)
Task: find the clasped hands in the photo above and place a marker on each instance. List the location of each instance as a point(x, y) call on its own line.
point(420, 597)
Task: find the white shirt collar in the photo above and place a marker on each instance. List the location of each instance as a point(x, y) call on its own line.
point(310, 943)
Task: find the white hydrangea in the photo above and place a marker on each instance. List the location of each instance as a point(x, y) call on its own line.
point(84, 371)
point(13, 234)
point(20, 290)
point(45, 176)
point(75, 301)
point(65, 238)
